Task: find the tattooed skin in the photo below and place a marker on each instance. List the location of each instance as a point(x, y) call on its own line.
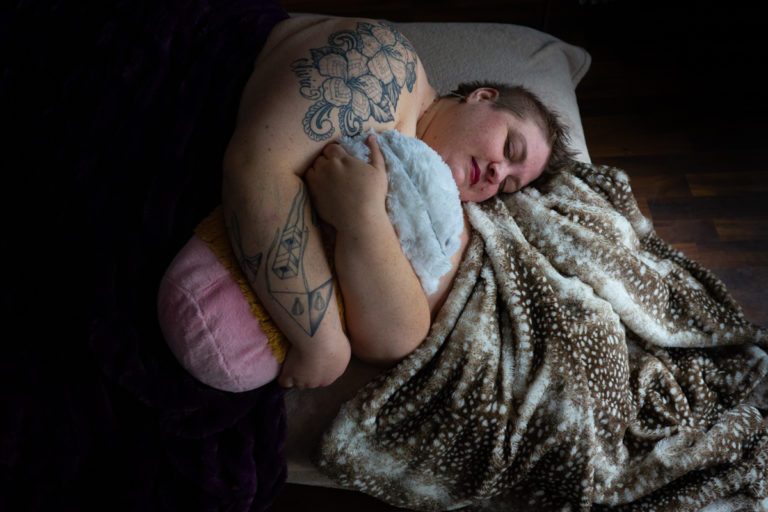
point(286, 280)
point(252, 263)
point(358, 76)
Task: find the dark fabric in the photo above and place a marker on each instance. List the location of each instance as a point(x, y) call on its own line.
point(115, 116)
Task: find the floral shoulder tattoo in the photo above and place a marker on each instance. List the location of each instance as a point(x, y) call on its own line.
point(358, 76)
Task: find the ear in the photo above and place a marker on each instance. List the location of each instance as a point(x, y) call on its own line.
point(483, 94)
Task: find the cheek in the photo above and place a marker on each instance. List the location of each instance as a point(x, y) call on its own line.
point(473, 196)
point(438, 146)
point(460, 179)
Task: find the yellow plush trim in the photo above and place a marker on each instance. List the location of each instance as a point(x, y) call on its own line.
point(213, 232)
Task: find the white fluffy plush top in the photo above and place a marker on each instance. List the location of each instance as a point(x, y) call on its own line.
point(422, 202)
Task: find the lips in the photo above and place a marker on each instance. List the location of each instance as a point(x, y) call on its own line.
point(474, 176)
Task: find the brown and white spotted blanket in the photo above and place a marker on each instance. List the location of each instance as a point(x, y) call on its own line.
point(579, 362)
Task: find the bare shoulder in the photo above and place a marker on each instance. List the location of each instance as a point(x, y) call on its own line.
point(319, 79)
point(361, 72)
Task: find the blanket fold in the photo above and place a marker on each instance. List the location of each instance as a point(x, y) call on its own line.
point(579, 362)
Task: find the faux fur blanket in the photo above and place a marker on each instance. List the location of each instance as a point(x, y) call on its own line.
point(579, 362)
point(422, 202)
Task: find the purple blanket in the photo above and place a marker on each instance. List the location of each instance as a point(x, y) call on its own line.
point(116, 115)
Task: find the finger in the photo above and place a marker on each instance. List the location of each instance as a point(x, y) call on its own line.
point(320, 159)
point(377, 157)
point(320, 164)
point(309, 177)
point(284, 379)
point(334, 150)
point(285, 382)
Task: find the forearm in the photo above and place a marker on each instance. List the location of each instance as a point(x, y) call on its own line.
point(386, 311)
point(280, 251)
point(285, 120)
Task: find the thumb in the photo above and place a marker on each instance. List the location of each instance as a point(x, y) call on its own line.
point(377, 157)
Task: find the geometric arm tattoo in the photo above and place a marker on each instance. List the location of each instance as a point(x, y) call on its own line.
point(285, 276)
point(252, 263)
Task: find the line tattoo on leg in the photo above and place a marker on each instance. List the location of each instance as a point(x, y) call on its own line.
point(286, 279)
point(252, 263)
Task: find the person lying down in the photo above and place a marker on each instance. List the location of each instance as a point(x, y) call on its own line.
point(319, 80)
point(408, 191)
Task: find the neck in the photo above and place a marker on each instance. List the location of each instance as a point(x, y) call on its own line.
point(428, 112)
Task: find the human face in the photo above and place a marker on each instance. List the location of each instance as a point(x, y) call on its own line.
point(489, 150)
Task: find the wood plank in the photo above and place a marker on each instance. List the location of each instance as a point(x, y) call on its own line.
point(736, 254)
point(620, 81)
point(686, 231)
point(642, 204)
point(742, 228)
point(731, 131)
point(690, 249)
point(727, 182)
point(594, 101)
point(661, 185)
point(674, 208)
point(747, 286)
point(632, 135)
point(700, 162)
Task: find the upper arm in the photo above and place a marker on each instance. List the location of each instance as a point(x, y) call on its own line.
point(328, 79)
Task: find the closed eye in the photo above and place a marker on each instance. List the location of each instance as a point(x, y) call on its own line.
point(502, 185)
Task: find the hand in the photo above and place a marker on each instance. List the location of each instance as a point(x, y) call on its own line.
point(346, 190)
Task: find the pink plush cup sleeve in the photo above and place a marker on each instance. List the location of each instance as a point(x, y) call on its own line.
point(208, 324)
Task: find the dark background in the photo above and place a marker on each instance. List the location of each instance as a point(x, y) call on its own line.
point(675, 97)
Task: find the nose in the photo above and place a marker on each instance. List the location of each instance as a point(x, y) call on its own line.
point(497, 171)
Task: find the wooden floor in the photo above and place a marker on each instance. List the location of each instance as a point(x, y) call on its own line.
point(672, 98)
